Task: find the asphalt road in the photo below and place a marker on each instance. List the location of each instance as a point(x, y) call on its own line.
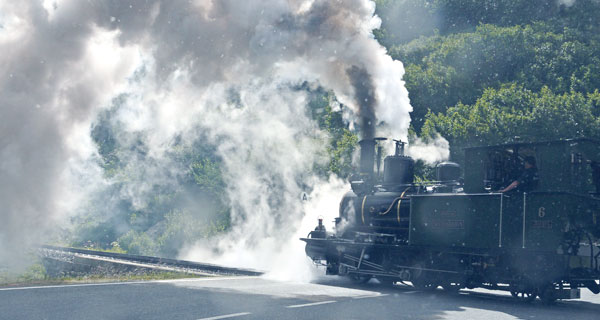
point(257, 298)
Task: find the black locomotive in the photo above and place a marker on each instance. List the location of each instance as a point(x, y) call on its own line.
point(457, 233)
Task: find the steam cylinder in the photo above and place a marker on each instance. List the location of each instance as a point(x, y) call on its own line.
point(383, 212)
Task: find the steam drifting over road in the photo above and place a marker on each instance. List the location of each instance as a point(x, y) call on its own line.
point(230, 68)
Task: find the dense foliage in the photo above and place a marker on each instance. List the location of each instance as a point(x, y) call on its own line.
point(488, 71)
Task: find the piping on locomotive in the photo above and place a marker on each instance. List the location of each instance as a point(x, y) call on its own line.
point(460, 233)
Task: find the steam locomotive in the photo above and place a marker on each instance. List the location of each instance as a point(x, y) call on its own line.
point(457, 232)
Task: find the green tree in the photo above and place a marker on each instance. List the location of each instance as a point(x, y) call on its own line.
point(501, 114)
point(342, 142)
point(443, 71)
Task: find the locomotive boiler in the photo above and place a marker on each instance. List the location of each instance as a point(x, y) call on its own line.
point(460, 232)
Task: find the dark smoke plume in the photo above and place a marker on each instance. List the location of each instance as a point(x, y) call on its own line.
point(364, 93)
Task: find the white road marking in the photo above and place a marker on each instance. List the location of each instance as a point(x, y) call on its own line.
point(225, 316)
point(123, 283)
point(311, 304)
point(374, 296)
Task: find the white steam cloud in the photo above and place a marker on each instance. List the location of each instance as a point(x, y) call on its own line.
point(431, 151)
point(230, 68)
point(55, 73)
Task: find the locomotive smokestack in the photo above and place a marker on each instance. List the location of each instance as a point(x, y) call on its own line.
point(364, 92)
point(367, 156)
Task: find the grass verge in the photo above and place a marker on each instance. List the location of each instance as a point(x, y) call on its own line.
point(36, 275)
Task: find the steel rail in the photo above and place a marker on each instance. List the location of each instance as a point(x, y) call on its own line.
point(161, 261)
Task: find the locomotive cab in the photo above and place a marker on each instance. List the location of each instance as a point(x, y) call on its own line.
point(563, 166)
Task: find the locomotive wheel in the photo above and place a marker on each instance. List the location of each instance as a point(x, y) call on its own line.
point(424, 285)
point(525, 296)
point(420, 279)
point(451, 287)
point(522, 289)
point(523, 293)
point(548, 293)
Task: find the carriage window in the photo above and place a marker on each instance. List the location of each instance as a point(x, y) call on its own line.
point(499, 168)
point(584, 174)
point(504, 166)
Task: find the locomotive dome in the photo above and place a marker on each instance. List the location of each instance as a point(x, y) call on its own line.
point(398, 170)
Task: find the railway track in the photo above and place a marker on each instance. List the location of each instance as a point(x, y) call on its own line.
point(70, 254)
